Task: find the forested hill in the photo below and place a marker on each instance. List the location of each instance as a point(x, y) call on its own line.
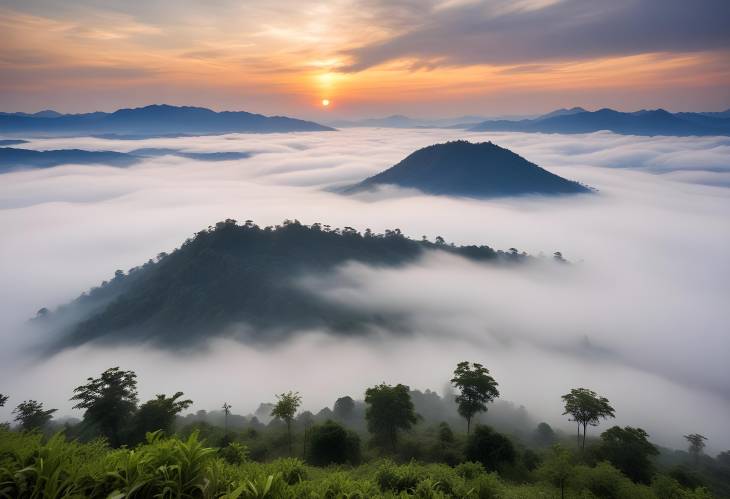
point(480, 170)
point(238, 274)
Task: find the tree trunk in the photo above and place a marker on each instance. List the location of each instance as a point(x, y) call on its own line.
point(578, 440)
point(562, 489)
point(468, 425)
point(584, 436)
point(288, 431)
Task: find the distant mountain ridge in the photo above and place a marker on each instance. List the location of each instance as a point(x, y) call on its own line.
point(462, 168)
point(156, 119)
point(645, 122)
point(240, 275)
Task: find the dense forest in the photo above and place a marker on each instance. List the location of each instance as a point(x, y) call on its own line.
point(394, 442)
point(234, 273)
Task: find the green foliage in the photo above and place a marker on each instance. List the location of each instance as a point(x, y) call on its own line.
point(629, 450)
point(586, 408)
point(490, 448)
point(696, 443)
point(476, 388)
point(286, 409)
point(158, 414)
point(30, 415)
point(470, 470)
point(331, 443)
point(109, 401)
point(234, 453)
point(557, 467)
point(389, 410)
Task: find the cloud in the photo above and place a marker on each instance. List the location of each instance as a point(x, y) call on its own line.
point(640, 317)
point(502, 33)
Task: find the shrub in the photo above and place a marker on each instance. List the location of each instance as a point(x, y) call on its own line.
point(487, 486)
point(470, 470)
point(490, 448)
point(331, 443)
point(234, 453)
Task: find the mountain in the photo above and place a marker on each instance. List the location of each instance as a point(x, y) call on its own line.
point(463, 168)
point(239, 275)
point(562, 112)
point(155, 120)
point(11, 158)
point(400, 121)
point(654, 122)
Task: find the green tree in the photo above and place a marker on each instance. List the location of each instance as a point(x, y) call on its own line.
point(696, 444)
point(226, 413)
point(331, 443)
point(544, 435)
point(490, 448)
point(110, 401)
point(389, 410)
point(629, 450)
point(30, 415)
point(159, 414)
point(477, 388)
point(286, 409)
point(586, 408)
point(557, 467)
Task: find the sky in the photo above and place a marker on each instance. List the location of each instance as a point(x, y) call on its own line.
point(640, 317)
point(423, 58)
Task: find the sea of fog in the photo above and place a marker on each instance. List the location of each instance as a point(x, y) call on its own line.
point(642, 317)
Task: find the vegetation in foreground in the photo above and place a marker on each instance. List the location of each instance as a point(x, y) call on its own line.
point(122, 449)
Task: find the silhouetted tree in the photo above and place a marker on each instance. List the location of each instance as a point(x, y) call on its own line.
point(226, 413)
point(544, 435)
point(490, 448)
point(30, 415)
point(724, 458)
point(344, 408)
point(3, 399)
point(557, 468)
point(586, 408)
point(109, 400)
point(159, 414)
point(331, 443)
point(286, 409)
point(389, 410)
point(477, 388)
point(696, 444)
point(629, 450)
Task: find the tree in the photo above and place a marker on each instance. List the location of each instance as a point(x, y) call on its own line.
point(286, 409)
point(477, 388)
point(331, 443)
point(344, 408)
point(696, 444)
point(159, 414)
point(389, 410)
point(490, 448)
point(586, 408)
point(30, 415)
point(544, 435)
point(110, 401)
point(226, 413)
point(629, 450)
point(3, 399)
point(557, 468)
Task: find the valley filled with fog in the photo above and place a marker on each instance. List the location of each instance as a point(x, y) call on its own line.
point(641, 316)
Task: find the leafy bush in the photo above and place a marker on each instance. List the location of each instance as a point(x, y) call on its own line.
point(470, 470)
point(234, 453)
point(331, 443)
point(490, 448)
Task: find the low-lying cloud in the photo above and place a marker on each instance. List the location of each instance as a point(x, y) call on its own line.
point(640, 317)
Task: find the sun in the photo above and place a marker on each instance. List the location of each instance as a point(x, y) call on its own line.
point(325, 102)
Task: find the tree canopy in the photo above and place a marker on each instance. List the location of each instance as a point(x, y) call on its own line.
point(109, 400)
point(629, 450)
point(30, 415)
point(586, 408)
point(476, 388)
point(389, 409)
point(286, 409)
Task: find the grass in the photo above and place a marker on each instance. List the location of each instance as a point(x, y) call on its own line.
point(34, 467)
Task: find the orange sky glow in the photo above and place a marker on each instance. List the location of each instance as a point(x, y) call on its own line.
point(365, 57)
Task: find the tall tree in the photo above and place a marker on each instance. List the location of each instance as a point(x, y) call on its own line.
point(586, 408)
point(286, 408)
point(477, 388)
point(159, 414)
point(3, 399)
point(629, 450)
point(389, 410)
point(30, 415)
point(226, 413)
point(110, 401)
point(344, 408)
point(696, 444)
